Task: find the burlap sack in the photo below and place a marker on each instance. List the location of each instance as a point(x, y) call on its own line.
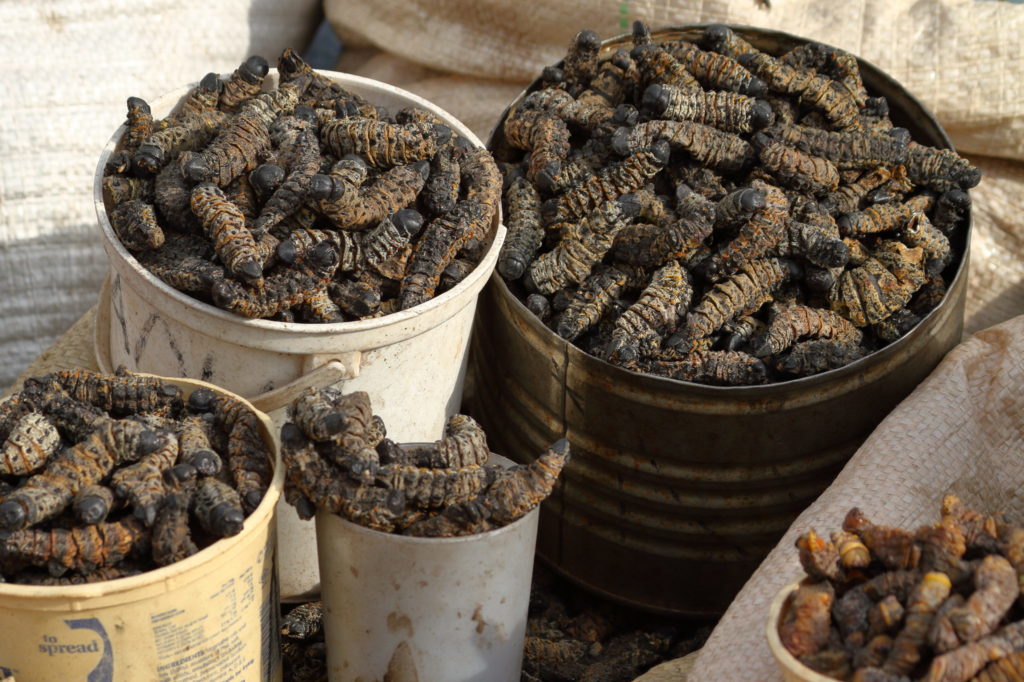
point(963, 58)
point(960, 431)
point(68, 68)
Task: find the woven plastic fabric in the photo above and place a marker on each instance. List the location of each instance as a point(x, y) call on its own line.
point(69, 66)
point(960, 431)
point(963, 58)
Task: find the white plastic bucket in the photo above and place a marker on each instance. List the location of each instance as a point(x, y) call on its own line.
point(210, 617)
point(409, 609)
point(412, 363)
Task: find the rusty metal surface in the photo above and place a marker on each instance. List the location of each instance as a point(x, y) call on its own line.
point(677, 490)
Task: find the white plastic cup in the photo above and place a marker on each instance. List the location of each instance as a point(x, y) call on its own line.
point(412, 609)
point(210, 617)
point(411, 363)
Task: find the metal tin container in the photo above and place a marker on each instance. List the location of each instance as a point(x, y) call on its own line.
point(677, 490)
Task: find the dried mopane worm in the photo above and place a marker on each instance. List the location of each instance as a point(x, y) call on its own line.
point(936, 602)
point(226, 198)
point(737, 157)
point(115, 472)
point(337, 460)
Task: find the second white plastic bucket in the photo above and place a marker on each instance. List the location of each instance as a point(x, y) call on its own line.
point(409, 609)
point(412, 363)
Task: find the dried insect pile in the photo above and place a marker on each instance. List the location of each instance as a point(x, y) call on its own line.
point(105, 476)
point(574, 636)
point(940, 603)
point(303, 651)
point(571, 636)
point(301, 203)
point(709, 212)
point(338, 459)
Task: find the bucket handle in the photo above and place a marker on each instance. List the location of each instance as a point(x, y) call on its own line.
point(326, 374)
point(320, 371)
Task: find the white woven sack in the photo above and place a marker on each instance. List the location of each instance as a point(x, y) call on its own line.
point(68, 68)
point(960, 431)
point(963, 58)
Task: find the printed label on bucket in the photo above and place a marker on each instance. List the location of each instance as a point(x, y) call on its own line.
point(196, 646)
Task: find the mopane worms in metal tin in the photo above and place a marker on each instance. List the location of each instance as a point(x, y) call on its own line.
point(797, 170)
point(622, 178)
point(525, 233)
point(715, 367)
point(640, 329)
point(861, 150)
point(727, 111)
point(709, 146)
point(573, 258)
point(799, 322)
point(740, 294)
point(655, 64)
point(716, 71)
point(581, 61)
point(810, 88)
point(762, 231)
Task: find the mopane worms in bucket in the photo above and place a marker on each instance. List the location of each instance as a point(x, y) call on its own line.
point(769, 156)
point(222, 198)
point(337, 460)
point(110, 475)
point(938, 603)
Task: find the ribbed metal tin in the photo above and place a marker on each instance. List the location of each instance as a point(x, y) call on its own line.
point(676, 490)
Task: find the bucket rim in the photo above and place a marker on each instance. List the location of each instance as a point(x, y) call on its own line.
point(789, 665)
point(475, 280)
point(777, 389)
point(169, 574)
point(414, 540)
